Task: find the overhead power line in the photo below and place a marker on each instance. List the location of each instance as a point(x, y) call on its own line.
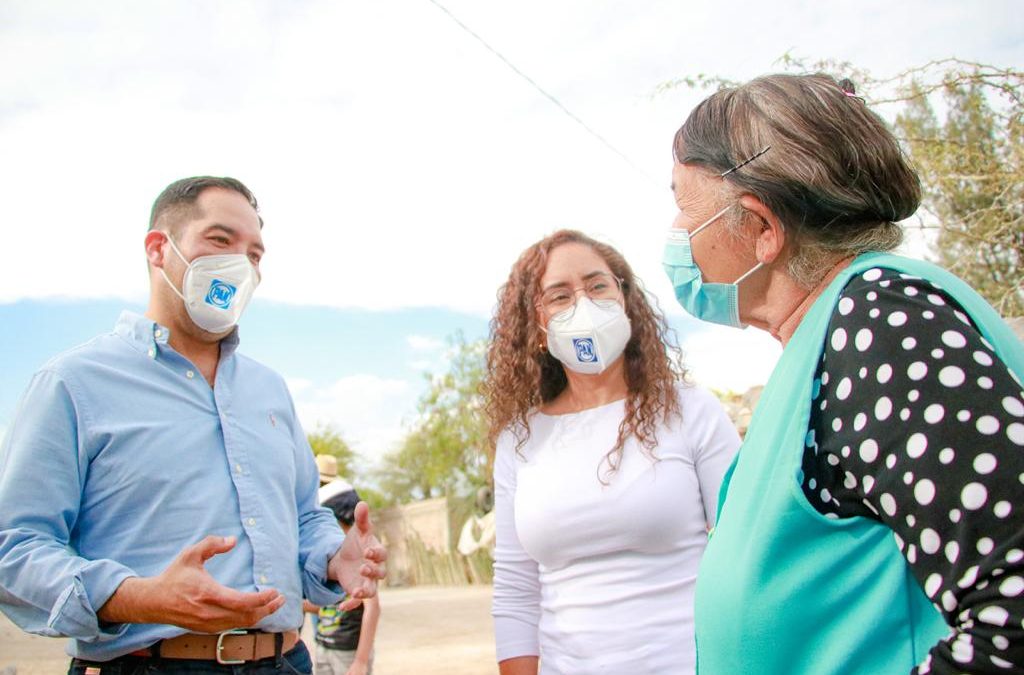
point(543, 92)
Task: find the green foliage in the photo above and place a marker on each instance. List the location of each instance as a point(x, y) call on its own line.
point(698, 81)
point(373, 498)
point(972, 166)
point(327, 441)
point(413, 471)
point(444, 451)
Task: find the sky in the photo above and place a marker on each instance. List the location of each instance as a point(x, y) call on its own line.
point(401, 166)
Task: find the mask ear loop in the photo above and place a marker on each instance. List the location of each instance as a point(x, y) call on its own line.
point(709, 221)
point(753, 269)
point(167, 278)
point(760, 263)
point(173, 246)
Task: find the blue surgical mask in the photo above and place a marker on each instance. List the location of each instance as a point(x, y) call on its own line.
point(716, 303)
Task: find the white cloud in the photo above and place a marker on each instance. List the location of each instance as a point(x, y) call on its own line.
point(430, 354)
point(424, 343)
point(298, 385)
point(398, 162)
point(365, 409)
point(425, 366)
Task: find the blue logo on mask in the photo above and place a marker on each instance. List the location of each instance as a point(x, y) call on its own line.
point(220, 294)
point(584, 350)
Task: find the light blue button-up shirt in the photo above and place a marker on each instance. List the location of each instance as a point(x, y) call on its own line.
point(121, 454)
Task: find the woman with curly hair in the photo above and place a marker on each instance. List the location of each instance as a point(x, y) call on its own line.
point(607, 469)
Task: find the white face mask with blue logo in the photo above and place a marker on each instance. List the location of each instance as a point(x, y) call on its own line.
point(589, 336)
point(216, 288)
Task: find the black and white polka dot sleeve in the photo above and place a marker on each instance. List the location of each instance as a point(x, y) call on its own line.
point(916, 423)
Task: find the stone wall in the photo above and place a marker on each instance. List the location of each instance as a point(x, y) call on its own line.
point(410, 528)
point(421, 548)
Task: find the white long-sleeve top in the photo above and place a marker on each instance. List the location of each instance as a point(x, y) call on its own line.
point(599, 578)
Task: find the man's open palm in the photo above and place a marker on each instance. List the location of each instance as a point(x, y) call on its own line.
point(359, 563)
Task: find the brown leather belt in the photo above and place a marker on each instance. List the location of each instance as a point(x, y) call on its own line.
point(229, 647)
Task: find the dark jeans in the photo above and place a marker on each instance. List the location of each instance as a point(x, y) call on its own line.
point(295, 662)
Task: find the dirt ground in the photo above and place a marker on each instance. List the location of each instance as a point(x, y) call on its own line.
point(428, 630)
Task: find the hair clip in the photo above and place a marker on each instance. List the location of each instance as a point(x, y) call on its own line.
point(847, 86)
point(744, 163)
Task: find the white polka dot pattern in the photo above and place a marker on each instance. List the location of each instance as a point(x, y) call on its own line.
point(946, 476)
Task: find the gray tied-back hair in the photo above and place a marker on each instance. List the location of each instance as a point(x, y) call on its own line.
point(834, 175)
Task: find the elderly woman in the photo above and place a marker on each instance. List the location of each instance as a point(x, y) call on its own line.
point(606, 472)
point(870, 523)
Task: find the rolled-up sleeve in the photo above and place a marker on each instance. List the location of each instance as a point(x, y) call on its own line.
point(516, 608)
point(320, 536)
point(319, 539)
point(45, 588)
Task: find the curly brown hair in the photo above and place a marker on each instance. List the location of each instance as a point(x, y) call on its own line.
point(522, 376)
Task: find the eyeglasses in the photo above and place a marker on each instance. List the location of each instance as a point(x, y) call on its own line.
point(602, 288)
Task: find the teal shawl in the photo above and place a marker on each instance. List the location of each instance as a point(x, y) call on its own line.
point(783, 590)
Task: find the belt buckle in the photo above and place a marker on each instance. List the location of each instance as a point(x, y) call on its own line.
point(220, 646)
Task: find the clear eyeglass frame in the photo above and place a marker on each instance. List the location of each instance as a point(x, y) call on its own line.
point(559, 303)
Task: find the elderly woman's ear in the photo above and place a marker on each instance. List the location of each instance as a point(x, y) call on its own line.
point(770, 235)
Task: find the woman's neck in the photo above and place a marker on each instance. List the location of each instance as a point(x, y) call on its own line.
point(583, 392)
point(788, 321)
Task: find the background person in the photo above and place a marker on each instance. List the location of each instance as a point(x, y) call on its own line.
point(606, 473)
point(344, 639)
point(181, 494)
point(327, 466)
point(871, 521)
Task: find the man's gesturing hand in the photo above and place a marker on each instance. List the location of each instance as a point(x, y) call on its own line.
point(359, 563)
point(186, 595)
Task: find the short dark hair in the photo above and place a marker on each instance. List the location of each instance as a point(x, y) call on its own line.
point(179, 199)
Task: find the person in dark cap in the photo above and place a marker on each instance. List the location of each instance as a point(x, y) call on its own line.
point(344, 639)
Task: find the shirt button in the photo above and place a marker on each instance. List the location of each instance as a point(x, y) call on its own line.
point(238, 468)
point(263, 578)
point(190, 374)
point(252, 521)
point(152, 352)
point(158, 333)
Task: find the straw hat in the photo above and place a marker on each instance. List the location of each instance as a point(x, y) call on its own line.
point(327, 465)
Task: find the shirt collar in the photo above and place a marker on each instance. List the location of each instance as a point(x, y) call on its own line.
point(150, 337)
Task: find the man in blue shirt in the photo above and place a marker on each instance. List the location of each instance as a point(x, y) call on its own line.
point(178, 499)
